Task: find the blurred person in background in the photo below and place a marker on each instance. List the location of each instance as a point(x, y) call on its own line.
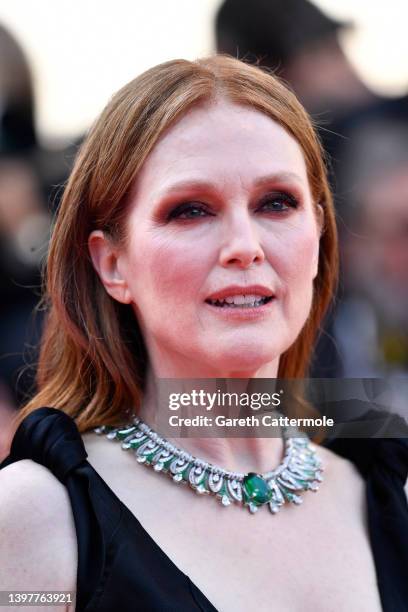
point(300, 43)
point(28, 174)
point(371, 326)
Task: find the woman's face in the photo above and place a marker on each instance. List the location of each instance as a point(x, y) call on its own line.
point(222, 204)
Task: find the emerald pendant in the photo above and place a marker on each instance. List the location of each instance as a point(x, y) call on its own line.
point(256, 489)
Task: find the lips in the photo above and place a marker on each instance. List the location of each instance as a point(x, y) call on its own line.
point(238, 297)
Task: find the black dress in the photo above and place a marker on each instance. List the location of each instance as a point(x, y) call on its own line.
point(120, 567)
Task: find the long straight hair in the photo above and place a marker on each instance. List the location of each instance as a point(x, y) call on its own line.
point(93, 359)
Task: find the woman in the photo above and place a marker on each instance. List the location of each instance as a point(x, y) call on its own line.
point(201, 182)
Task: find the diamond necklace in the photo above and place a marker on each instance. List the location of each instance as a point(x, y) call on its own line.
point(300, 469)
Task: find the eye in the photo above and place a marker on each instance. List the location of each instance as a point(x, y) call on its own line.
point(188, 210)
point(278, 202)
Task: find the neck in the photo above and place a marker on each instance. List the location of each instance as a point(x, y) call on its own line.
point(166, 363)
point(248, 454)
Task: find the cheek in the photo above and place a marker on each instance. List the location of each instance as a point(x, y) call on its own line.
point(300, 253)
point(167, 270)
point(296, 266)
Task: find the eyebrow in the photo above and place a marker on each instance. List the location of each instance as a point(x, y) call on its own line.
point(276, 177)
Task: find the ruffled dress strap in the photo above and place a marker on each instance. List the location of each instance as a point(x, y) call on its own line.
point(383, 462)
point(49, 437)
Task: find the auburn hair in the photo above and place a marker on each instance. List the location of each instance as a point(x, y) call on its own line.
point(93, 360)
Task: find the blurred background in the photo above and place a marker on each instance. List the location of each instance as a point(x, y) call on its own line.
point(347, 61)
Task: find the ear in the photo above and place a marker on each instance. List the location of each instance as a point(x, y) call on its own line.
point(320, 225)
point(320, 218)
point(107, 261)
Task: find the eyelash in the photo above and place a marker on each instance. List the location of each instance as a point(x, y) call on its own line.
point(189, 206)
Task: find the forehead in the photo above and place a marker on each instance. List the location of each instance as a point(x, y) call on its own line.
point(222, 141)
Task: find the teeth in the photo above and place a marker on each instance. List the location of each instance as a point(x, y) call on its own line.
point(242, 299)
point(245, 301)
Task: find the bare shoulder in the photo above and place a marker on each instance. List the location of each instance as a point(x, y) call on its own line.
point(38, 548)
point(30, 488)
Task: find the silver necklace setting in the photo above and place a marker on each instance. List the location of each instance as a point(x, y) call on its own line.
point(300, 469)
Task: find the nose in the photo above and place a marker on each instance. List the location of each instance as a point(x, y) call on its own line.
point(241, 246)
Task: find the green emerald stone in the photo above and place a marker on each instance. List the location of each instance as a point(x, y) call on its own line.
point(256, 489)
point(134, 444)
point(121, 434)
point(289, 495)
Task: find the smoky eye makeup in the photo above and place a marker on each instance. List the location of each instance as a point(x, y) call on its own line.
point(277, 202)
point(189, 210)
point(283, 199)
